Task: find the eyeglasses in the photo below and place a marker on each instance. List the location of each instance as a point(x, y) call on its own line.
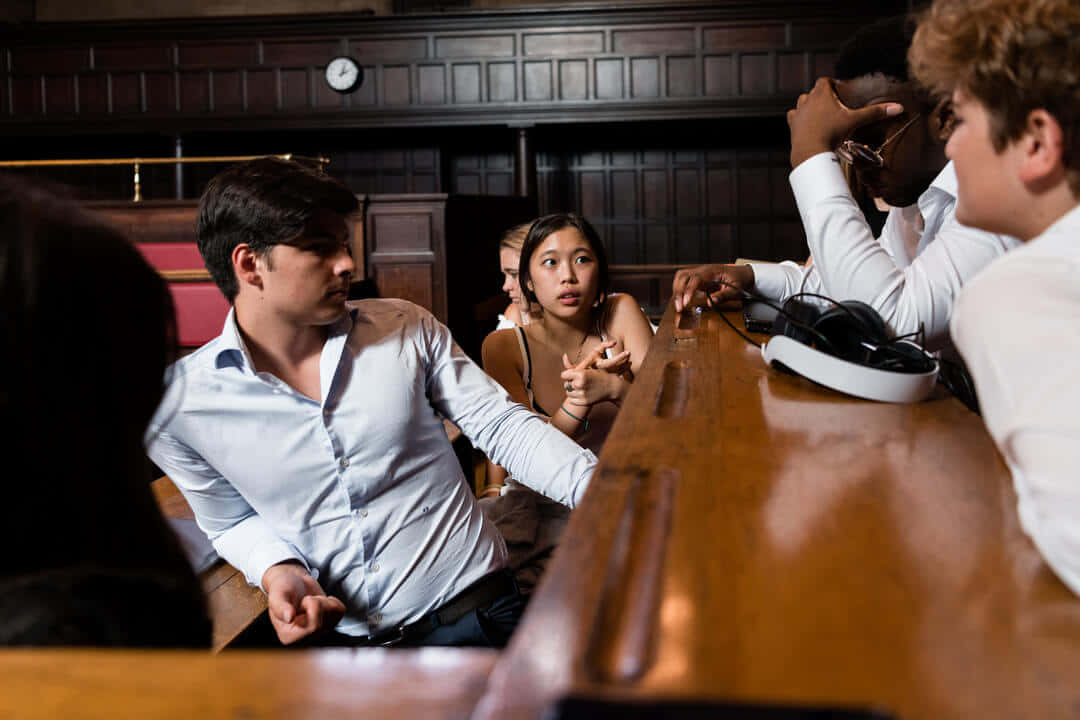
point(854, 153)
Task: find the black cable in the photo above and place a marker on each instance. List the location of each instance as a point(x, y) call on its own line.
point(741, 334)
point(747, 295)
point(897, 362)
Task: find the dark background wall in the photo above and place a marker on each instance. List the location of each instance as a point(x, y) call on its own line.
point(661, 122)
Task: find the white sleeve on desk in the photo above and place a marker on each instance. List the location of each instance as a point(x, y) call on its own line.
point(779, 282)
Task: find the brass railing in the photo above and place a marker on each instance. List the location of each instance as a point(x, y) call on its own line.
point(322, 162)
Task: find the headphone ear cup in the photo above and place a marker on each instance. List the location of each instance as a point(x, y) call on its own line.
point(797, 315)
point(847, 326)
point(873, 324)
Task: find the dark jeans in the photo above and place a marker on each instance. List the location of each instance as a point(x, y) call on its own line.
point(484, 627)
point(487, 626)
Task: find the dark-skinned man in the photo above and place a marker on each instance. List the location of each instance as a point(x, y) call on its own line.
point(875, 119)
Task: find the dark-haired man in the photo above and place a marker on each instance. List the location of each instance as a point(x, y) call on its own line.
point(306, 441)
point(873, 118)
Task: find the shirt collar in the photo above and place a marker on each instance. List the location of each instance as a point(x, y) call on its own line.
point(231, 349)
point(945, 182)
point(232, 352)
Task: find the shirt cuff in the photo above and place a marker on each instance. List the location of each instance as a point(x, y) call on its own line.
point(266, 556)
point(259, 558)
point(817, 179)
point(775, 281)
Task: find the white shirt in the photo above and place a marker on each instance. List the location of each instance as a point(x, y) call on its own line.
point(363, 487)
point(911, 274)
point(1018, 328)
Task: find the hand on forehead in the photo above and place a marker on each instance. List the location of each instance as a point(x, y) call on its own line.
point(877, 88)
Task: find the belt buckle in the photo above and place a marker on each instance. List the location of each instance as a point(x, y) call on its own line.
point(397, 636)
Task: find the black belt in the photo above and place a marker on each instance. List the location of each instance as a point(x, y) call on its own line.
point(479, 595)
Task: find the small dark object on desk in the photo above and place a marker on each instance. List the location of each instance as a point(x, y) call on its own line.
point(572, 708)
point(758, 316)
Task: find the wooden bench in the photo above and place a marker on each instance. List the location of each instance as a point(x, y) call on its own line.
point(752, 537)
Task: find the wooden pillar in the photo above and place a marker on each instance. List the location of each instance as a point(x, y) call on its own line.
point(178, 176)
point(524, 164)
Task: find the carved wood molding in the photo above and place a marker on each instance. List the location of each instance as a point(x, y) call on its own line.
point(697, 60)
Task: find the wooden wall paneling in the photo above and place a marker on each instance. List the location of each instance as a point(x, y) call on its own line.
point(536, 81)
point(465, 83)
point(679, 206)
point(396, 85)
point(502, 82)
point(228, 90)
point(529, 66)
point(405, 247)
point(261, 90)
point(431, 84)
point(93, 93)
point(194, 91)
point(160, 92)
point(26, 97)
point(409, 281)
point(390, 171)
point(217, 54)
point(60, 95)
point(719, 74)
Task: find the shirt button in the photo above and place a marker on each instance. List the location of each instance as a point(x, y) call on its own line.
point(374, 567)
point(374, 619)
point(343, 462)
point(362, 512)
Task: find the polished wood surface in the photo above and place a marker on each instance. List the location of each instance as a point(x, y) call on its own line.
point(339, 683)
point(233, 604)
point(752, 537)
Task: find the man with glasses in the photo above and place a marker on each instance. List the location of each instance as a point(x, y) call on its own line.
point(871, 121)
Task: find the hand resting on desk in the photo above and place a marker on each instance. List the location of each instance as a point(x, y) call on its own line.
point(297, 605)
point(721, 283)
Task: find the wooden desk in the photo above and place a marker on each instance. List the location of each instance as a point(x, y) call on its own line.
point(749, 536)
point(367, 682)
point(233, 604)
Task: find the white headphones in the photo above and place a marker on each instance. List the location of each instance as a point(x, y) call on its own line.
point(847, 347)
point(848, 377)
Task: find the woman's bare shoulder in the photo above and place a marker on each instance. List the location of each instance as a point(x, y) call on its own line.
point(620, 307)
point(513, 314)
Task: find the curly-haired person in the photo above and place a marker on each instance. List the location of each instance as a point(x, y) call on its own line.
point(1012, 69)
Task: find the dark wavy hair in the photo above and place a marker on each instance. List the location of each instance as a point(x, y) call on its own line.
point(545, 226)
point(88, 330)
point(263, 202)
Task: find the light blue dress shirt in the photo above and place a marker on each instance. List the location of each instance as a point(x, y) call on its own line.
point(362, 487)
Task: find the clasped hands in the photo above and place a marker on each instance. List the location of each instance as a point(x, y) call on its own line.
point(597, 378)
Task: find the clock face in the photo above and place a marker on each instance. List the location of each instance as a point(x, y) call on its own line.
point(344, 74)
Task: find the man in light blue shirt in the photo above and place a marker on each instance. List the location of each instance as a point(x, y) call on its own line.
point(305, 436)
